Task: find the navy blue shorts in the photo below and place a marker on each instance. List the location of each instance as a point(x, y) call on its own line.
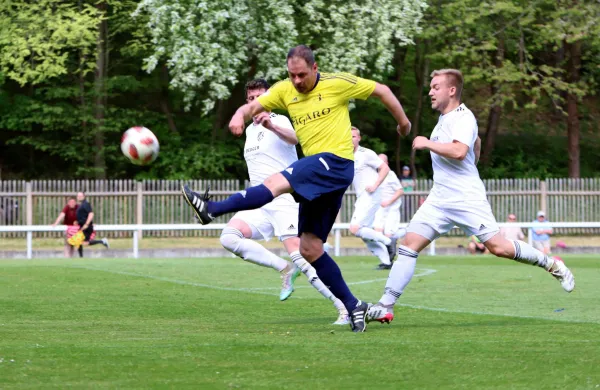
point(319, 182)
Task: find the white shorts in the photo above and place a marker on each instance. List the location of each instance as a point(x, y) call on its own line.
point(365, 208)
point(541, 245)
point(388, 218)
point(276, 219)
point(474, 217)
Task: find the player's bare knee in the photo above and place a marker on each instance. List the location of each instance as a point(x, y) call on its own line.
point(311, 250)
point(278, 184)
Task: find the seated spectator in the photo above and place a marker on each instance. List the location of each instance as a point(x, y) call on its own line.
point(541, 233)
point(476, 246)
point(512, 232)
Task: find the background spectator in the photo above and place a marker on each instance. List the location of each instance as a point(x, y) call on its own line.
point(408, 185)
point(512, 232)
point(85, 218)
point(476, 246)
point(68, 215)
point(541, 233)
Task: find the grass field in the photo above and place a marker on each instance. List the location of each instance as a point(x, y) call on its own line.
point(473, 323)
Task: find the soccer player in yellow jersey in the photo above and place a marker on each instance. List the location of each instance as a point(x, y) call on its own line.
point(318, 106)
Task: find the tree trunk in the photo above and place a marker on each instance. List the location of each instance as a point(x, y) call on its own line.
point(496, 108)
point(164, 99)
point(421, 70)
point(226, 108)
point(573, 75)
point(100, 92)
point(396, 87)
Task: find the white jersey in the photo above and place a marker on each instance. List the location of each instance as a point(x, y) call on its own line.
point(265, 152)
point(455, 180)
point(366, 163)
point(390, 185)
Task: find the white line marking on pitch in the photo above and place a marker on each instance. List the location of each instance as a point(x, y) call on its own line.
point(426, 271)
point(250, 291)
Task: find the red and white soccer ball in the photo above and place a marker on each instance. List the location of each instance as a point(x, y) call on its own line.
point(139, 145)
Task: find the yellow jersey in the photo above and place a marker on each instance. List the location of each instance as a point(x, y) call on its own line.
point(320, 117)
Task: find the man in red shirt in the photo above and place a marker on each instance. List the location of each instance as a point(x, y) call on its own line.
point(68, 215)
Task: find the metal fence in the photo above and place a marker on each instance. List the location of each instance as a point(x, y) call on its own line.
point(160, 201)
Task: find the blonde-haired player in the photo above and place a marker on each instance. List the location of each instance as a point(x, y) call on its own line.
point(458, 197)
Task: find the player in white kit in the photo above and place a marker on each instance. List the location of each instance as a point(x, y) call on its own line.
point(387, 217)
point(369, 173)
point(270, 148)
point(458, 197)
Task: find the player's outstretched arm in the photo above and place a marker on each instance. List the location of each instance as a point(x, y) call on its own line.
point(389, 100)
point(399, 192)
point(382, 172)
point(456, 150)
point(243, 115)
point(286, 133)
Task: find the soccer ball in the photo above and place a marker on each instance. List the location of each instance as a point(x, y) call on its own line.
point(139, 145)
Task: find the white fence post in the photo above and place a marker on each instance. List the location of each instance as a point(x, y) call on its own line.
point(530, 236)
point(29, 245)
point(432, 248)
point(136, 254)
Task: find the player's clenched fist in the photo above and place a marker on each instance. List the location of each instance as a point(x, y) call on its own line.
point(404, 129)
point(236, 125)
point(420, 142)
point(264, 118)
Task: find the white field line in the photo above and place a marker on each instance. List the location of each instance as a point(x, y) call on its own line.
point(426, 272)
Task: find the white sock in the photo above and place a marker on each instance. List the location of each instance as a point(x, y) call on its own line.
point(311, 274)
point(525, 253)
point(379, 250)
point(400, 233)
point(233, 240)
point(400, 275)
point(373, 235)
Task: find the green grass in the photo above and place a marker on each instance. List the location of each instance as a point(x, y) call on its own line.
point(476, 323)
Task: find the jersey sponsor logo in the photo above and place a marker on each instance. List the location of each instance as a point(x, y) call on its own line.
point(252, 149)
point(320, 97)
point(260, 135)
point(304, 119)
point(295, 99)
point(291, 227)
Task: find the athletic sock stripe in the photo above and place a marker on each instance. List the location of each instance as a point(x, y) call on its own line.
point(393, 293)
point(517, 250)
point(403, 252)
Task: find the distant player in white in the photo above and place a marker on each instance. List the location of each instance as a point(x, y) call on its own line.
point(457, 198)
point(270, 148)
point(387, 217)
point(369, 173)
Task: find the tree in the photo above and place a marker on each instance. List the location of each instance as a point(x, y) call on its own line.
point(213, 45)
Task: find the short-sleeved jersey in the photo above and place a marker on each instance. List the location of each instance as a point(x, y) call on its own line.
point(266, 153)
point(70, 215)
point(537, 225)
point(455, 180)
point(366, 163)
point(390, 185)
point(83, 211)
point(320, 117)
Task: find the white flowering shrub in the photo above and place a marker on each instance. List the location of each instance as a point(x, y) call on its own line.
point(210, 46)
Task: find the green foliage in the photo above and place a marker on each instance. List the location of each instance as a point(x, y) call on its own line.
point(166, 56)
point(36, 38)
